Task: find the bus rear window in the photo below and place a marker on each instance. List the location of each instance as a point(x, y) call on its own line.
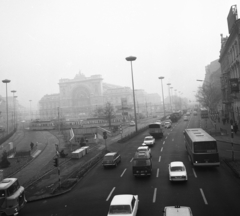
point(205, 147)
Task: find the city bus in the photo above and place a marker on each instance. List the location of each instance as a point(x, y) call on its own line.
point(201, 147)
point(156, 129)
point(204, 113)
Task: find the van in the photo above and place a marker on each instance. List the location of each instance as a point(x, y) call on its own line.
point(142, 164)
point(12, 196)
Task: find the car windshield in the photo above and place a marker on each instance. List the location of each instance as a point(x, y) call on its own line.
point(177, 168)
point(148, 139)
point(120, 209)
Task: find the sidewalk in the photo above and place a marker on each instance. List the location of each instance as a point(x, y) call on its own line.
point(223, 134)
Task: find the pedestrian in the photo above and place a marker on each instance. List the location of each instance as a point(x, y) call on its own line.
point(235, 127)
point(31, 145)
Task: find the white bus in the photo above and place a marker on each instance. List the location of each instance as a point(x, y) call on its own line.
point(201, 147)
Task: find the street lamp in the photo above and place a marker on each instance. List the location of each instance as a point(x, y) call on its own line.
point(6, 81)
point(15, 112)
point(13, 91)
point(169, 95)
point(131, 59)
point(161, 78)
point(171, 89)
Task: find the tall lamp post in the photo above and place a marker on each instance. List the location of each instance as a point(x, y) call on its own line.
point(171, 89)
point(169, 96)
point(161, 78)
point(13, 91)
point(15, 112)
point(6, 81)
point(131, 59)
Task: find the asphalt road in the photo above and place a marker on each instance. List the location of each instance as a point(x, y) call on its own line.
point(209, 191)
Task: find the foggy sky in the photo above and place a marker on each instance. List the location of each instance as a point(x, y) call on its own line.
point(44, 41)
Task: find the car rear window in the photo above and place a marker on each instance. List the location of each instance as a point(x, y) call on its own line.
point(108, 157)
point(177, 168)
point(142, 162)
point(120, 209)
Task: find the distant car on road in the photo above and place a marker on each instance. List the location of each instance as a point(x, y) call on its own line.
point(132, 123)
point(177, 211)
point(185, 118)
point(125, 204)
point(149, 141)
point(111, 159)
point(144, 149)
point(195, 113)
point(167, 124)
point(177, 171)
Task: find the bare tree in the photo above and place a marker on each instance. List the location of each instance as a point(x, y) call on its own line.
point(209, 96)
point(107, 112)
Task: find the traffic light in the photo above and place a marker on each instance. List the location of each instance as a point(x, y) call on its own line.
point(104, 135)
point(55, 162)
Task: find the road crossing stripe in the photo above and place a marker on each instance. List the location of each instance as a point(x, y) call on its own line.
point(159, 159)
point(161, 149)
point(123, 172)
point(163, 142)
point(194, 173)
point(157, 172)
point(154, 195)
point(204, 198)
point(110, 194)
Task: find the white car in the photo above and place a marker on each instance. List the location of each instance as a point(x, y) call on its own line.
point(125, 204)
point(167, 124)
point(185, 118)
point(149, 140)
point(132, 123)
point(144, 149)
point(177, 171)
point(177, 211)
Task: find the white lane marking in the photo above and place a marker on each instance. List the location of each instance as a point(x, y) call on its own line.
point(161, 149)
point(163, 142)
point(166, 137)
point(172, 139)
point(110, 194)
point(159, 159)
point(204, 198)
point(154, 195)
point(157, 172)
point(123, 172)
point(194, 173)
point(131, 160)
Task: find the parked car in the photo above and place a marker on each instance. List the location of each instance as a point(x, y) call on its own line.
point(111, 159)
point(125, 204)
point(144, 149)
point(177, 171)
point(177, 211)
point(149, 141)
point(132, 123)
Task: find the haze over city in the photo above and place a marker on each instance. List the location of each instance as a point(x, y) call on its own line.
point(44, 41)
